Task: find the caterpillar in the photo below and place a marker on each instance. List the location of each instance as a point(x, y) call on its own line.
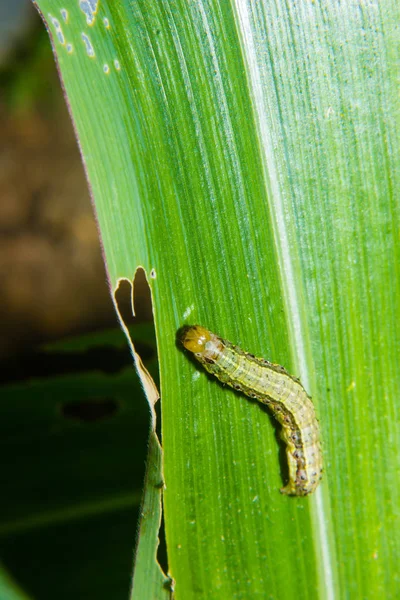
point(272, 385)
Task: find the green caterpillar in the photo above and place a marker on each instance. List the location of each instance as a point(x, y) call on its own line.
point(272, 385)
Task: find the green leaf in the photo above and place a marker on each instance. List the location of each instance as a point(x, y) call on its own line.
point(149, 581)
point(8, 589)
point(246, 154)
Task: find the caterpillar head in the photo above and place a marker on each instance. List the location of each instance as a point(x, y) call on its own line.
point(194, 338)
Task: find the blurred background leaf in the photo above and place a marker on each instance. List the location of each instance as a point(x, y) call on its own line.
point(73, 453)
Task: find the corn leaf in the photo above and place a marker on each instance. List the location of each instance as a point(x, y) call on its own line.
point(245, 153)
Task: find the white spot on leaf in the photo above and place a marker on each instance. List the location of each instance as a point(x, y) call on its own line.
point(188, 311)
point(88, 45)
point(329, 113)
point(89, 8)
point(118, 67)
point(64, 14)
point(57, 27)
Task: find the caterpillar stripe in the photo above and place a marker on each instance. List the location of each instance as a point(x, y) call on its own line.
point(272, 385)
